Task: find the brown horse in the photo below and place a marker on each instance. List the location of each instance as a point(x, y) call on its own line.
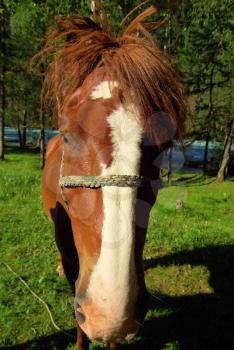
point(119, 104)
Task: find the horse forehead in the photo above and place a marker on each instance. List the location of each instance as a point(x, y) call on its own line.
point(89, 120)
point(89, 106)
point(90, 83)
point(92, 80)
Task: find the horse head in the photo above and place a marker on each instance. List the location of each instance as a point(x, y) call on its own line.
point(102, 138)
point(119, 105)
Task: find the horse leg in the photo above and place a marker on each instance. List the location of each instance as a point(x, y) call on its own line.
point(112, 346)
point(60, 269)
point(80, 343)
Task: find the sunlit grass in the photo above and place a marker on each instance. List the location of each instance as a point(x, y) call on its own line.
point(181, 265)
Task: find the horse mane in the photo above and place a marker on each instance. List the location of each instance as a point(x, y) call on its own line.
point(146, 79)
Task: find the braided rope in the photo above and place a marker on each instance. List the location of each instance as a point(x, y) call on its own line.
point(100, 181)
point(96, 181)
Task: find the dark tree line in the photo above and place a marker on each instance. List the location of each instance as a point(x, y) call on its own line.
point(198, 36)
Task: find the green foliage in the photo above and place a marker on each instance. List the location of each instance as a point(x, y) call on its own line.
point(29, 21)
point(205, 58)
point(199, 37)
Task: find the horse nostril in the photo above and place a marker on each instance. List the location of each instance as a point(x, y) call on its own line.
point(79, 314)
point(80, 317)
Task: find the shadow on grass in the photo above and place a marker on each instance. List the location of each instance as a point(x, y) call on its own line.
point(200, 321)
point(187, 179)
point(18, 150)
point(196, 180)
point(58, 341)
point(196, 322)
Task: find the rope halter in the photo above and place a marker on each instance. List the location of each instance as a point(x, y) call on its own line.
point(133, 181)
point(100, 181)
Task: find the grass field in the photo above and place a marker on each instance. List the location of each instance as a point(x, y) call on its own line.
point(189, 264)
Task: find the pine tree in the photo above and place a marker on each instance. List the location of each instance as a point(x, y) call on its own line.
point(205, 60)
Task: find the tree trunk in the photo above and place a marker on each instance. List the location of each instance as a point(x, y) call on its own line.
point(42, 139)
point(167, 49)
point(169, 169)
point(3, 29)
point(2, 132)
point(24, 136)
point(19, 131)
point(226, 152)
point(205, 159)
point(208, 122)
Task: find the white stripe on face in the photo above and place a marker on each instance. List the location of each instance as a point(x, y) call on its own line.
point(103, 90)
point(113, 285)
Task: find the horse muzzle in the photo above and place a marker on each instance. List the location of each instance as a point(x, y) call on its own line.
point(106, 327)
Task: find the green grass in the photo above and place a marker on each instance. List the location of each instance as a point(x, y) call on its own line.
point(189, 266)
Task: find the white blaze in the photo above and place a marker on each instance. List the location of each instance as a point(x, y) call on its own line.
point(103, 90)
point(113, 286)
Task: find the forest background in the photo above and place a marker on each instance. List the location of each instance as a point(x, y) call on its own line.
point(197, 34)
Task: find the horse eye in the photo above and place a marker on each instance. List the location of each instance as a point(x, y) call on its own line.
point(65, 139)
